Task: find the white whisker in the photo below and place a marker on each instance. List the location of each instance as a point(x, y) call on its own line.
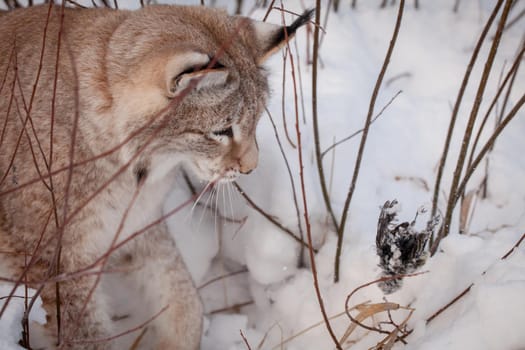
point(230, 196)
point(216, 208)
point(199, 197)
point(223, 212)
point(206, 188)
point(205, 206)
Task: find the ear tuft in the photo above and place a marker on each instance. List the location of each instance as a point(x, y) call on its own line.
point(300, 21)
point(272, 37)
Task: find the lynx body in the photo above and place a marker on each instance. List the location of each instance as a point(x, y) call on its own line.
point(98, 107)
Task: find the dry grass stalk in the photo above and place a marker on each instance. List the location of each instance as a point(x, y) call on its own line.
point(467, 209)
point(369, 310)
point(307, 329)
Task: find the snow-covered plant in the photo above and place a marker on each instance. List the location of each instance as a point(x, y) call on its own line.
point(400, 246)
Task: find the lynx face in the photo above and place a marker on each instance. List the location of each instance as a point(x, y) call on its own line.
point(198, 83)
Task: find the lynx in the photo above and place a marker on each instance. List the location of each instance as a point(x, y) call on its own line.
point(98, 108)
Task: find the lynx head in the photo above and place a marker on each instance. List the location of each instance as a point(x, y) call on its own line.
point(195, 75)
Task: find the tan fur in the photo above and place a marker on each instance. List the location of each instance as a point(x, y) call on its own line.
point(114, 74)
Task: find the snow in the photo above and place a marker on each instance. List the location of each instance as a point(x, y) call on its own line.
point(400, 162)
point(10, 325)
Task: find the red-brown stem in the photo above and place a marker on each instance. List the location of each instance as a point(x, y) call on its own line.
point(49, 165)
point(296, 109)
point(268, 216)
point(34, 257)
point(4, 79)
point(307, 222)
point(245, 340)
point(231, 274)
point(268, 11)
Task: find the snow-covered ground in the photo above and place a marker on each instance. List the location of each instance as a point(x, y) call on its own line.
point(272, 300)
point(400, 161)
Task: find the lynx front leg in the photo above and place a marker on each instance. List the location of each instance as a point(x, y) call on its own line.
point(85, 321)
point(167, 283)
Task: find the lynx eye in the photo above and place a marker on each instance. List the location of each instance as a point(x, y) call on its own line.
point(228, 132)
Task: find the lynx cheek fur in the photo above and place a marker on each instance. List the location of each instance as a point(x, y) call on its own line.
point(139, 93)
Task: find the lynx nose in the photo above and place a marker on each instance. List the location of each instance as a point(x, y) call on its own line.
point(248, 163)
point(248, 159)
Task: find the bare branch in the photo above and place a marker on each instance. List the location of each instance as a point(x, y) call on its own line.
point(364, 136)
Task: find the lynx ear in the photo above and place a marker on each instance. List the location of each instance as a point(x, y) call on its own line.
point(193, 68)
point(272, 37)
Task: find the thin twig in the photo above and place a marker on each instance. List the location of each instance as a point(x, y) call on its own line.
point(73, 2)
point(299, 75)
point(317, 138)
point(231, 274)
point(270, 8)
point(233, 308)
point(314, 23)
point(515, 19)
point(349, 137)
point(466, 290)
point(455, 111)
point(488, 145)
point(364, 136)
point(267, 216)
point(305, 205)
point(510, 75)
point(453, 193)
point(136, 342)
point(296, 109)
point(245, 340)
point(131, 330)
point(283, 99)
point(292, 184)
